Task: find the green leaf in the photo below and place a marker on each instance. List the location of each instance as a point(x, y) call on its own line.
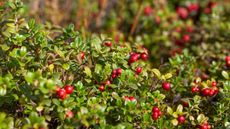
point(98, 68)
point(174, 122)
point(179, 109)
point(87, 71)
point(225, 74)
point(65, 66)
point(201, 118)
point(169, 110)
point(157, 72)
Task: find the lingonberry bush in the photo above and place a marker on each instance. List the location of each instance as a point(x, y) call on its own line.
point(53, 77)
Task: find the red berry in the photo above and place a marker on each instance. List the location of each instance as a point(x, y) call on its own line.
point(205, 91)
point(214, 83)
point(193, 7)
point(205, 125)
point(181, 119)
point(155, 109)
point(148, 10)
point(195, 89)
point(144, 56)
point(178, 29)
point(114, 72)
point(138, 70)
point(182, 12)
point(107, 82)
point(61, 93)
point(189, 29)
point(126, 98)
point(157, 20)
point(68, 89)
point(118, 71)
point(207, 10)
point(211, 92)
point(211, 4)
point(57, 88)
point(186, 38)
point(82, 55)
point(69, 114)
point(155, 115)
point(179, 42)
point(166, 86)
point(102, 88)
point(134, 57)
point(159, 113)
point(131, 98)
point(113, 76)
point(227, 59)
point(216, 91)
point(185, 104)
point(108, 43)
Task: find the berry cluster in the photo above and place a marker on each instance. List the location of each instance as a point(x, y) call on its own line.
point(131, 98)
point(156, 113)
point(193, 8)
point(102, 86)
point(204, 125)
point(210, 91)
point(116, 72)
point(62, 92)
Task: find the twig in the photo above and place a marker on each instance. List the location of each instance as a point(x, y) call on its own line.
point(136, 19)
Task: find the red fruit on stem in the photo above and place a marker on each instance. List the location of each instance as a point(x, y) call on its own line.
point(61, 94)
point(113, 76)
point(211, 4)
point(227, 59)
point(182, 12)
point(119, 71)
point(216, 91)
point(155, 115)
point(102, 88)
point(178, 29)
point(148, 10)
point(186, 38)
point(189, 29)
point(211, 92)
point(107, 82)
point(157, 19)
point(193, 7)
point(185, 104)
point(138, 70)
point(114, 72)
point(155, 109)
point(166, 86)
point(206, 91)
point(131, 98)
point(69, 114)
point(126, 98)
point(181, 119)
point(207, 10)
point(214, 84)
point(134, 57)
point(69, 89)
point(82, 55)
point(179, 42)
point(57, 88)
point(159, 113)
point(195, 89)
point(144, 56)
point(108, 43)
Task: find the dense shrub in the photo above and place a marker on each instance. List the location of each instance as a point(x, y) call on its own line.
point(54, 77)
